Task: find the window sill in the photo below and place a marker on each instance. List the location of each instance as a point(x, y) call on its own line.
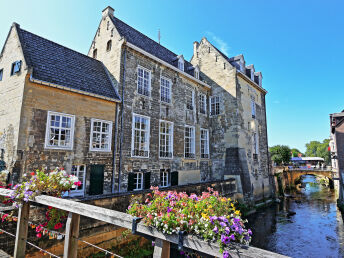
point(166, 158)
point(96, 150)
point(58, 148)
point(140, 157)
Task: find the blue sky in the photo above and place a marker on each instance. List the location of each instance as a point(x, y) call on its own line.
point(298, 46)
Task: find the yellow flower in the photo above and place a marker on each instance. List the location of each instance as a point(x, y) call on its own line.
point(205, 216)
point(232, 205)
point(237, 212)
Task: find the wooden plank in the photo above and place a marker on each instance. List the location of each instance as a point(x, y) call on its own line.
point(72, 233)
point(125, 220)
point(22, 229)
point(161, 249)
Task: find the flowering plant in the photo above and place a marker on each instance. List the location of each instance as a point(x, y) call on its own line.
point(208, 216)
point(54, 183)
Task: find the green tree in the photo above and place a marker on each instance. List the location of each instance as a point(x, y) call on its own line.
point(295, 152)
point(280, 154)
point(319, 149)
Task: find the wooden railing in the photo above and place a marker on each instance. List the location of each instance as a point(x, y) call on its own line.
point(77, 209)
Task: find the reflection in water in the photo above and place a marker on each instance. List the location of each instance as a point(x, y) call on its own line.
point(316, 230)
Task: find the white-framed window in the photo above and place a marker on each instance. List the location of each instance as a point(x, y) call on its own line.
point(140, 136)
point(15, 68)
point(143, 81)
point(59, 131)
point(80, 172)
point(165, 90)
point(204, 143)
point(138, 181)
point(197, 73)
point(189, 94)
point(164, 177)
point(255, 146)
point(189, 142)
point(101, 135)
point(253, 107)
point(214, 105)
point(181, 64)
point(202, 103)
point(165, 139)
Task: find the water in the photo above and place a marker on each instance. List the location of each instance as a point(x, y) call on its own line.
point(316, 230)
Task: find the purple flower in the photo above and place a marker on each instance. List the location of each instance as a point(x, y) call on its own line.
point(216, 230)
point(225, 254)
point(249, 231)
point(236, 220)
point(153, 243)
point(247, 237)
point(223, 218)
point(227, 230)
point(169, 209)
point(240, 230)
point(232, 237)
point(222, 224)
point(181, 252)
point(225, 239)
point(212, 219)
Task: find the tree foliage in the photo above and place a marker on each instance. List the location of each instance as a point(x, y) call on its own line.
point(319, 149)
point(280, 154)
point(295, 152)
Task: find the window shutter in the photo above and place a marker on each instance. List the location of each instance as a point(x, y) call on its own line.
point(174, 178)
point(146, 179)
point(130, 182)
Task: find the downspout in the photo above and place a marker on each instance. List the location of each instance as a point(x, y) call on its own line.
point(122, 112)
point(115, 150)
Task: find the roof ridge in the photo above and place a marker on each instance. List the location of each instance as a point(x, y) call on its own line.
point(115, 18)
point(20, 29)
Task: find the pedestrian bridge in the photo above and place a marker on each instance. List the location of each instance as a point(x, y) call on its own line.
point(295, 173)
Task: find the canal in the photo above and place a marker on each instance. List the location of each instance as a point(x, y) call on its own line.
point(315, 230)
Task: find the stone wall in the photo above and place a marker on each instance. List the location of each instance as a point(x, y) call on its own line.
point(38, 100)
point(11, 93)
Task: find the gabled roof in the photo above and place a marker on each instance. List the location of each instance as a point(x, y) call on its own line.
point(56, 64)
point(140, 40)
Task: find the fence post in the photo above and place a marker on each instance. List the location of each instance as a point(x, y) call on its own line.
point(161, 249)
point(22, 229)
point(72, 233)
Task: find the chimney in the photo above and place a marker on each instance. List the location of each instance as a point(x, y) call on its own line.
point(108, 11)
point(195, 46)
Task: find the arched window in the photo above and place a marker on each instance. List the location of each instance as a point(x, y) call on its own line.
point(108, 45)
point(95, 53)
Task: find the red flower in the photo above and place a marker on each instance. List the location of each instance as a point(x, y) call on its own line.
point(32, 173)
point(77, 183)
point(39, 235)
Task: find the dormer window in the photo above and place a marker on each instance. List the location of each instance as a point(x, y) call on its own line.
point(197, 73)
point(15, 68)
point(108, 45)
point(181, 64)
point(95, 53)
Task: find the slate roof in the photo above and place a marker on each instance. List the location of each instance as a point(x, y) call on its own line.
point(140, 40)
point(60, 65)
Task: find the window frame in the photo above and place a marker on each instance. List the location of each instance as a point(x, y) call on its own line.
point(47, 131)
point(136, 181)
point(133, 135)
point(207, 146)
point(212, 112)
point(204, 102)
point(108, 45)
point(78, 192)
point(253, 107)
point(170, 89)
point(1, 74)
point(167, 178)
point(193, 142)
point(109, 136)
point(192, 98)
point(171, 137)
point(181, 64)
point(149, 80)
point(13, 65)
point(196, 71)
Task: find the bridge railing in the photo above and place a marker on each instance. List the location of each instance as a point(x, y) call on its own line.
point(162, 241)
point(327, 168)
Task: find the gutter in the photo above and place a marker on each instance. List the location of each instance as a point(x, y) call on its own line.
point(53, 85)
point(166, 64)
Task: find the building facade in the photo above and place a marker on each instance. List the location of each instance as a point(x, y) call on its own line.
point(337, 150)
point(57, 109)
point(213, 107)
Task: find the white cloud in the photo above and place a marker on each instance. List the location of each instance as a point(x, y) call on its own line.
point(220, 43)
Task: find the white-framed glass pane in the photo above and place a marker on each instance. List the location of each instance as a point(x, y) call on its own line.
point(214, 105)
point(140, 140)
point(166, 139)
point(189, 99)
point(101, 134)
point(138, 181)
point(165, 90)
point(59, 130)
point(189, 142)
point(143, 81)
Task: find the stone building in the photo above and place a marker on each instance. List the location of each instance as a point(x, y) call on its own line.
point(57, 108)
point(184, 122)
point(337, 149)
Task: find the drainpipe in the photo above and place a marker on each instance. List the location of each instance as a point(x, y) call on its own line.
point(115, 150)
point(122, 111)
